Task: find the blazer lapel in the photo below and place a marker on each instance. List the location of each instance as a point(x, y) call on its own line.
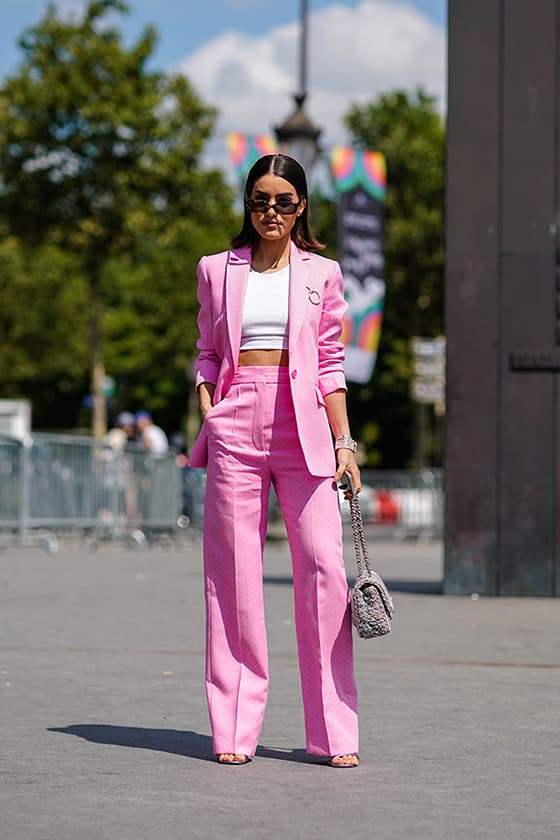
point(300, 269)
point(237, 273)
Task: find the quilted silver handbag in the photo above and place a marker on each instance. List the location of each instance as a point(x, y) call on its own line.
point(371, 604)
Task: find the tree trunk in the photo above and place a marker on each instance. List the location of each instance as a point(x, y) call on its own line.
point(97, 367)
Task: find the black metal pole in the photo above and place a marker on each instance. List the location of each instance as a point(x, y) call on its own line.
point(297, 135)
point(304, 7)
point(502, 440)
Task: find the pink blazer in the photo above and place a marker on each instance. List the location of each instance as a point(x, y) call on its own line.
point(316, 355)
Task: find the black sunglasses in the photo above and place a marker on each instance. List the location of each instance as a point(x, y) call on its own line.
point(283, 206)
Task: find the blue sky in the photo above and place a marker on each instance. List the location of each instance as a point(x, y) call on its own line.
point(184, 25)
point(241, 56)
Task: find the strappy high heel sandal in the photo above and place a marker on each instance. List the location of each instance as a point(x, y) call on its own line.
point(345, 765)
point(235, 762)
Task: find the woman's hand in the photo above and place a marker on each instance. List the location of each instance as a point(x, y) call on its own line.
point(206, 396)
point(347, 463)
point(335, 404)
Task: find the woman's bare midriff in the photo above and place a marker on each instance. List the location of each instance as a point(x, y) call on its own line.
point(272, 358)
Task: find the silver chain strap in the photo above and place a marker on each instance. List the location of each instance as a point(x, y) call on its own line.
point(358, 535)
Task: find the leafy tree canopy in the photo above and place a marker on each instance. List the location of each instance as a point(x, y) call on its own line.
point(43, 329)
point(91, 140)
point(100, 156)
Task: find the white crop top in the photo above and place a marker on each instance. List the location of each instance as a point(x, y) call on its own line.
point(265, 311)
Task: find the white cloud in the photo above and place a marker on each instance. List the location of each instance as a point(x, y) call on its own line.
point(355, 54)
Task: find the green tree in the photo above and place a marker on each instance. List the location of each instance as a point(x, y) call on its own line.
point(100, 156)
point(322, 212)
point(410, 132)
point(44, 327)
point(150, 319)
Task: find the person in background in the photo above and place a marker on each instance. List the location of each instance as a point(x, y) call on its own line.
point(192, 484)
point(120, 464)
point(123, 432)
point(152, 437)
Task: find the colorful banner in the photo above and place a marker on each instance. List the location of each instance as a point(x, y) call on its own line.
point(354, 169)
point(245, 149)
point(360, 180)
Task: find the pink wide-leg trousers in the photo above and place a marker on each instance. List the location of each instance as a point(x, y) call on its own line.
point(252, 440)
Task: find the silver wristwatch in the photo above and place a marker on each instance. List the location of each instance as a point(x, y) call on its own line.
point(345, 442)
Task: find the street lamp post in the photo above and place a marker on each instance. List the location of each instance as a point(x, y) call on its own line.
point(298, 136)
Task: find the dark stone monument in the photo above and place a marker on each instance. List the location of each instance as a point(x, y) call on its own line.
point(503, 298)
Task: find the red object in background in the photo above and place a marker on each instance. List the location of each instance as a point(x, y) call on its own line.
point(387, 506)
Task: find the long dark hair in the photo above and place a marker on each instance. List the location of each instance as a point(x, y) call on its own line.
point(289, 169)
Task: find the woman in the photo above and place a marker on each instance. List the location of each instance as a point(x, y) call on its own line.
point(271, 382)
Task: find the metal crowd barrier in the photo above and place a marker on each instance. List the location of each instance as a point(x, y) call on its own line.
point(398, 504)
point(56, 484)
point(405, 504)
point(51, 485)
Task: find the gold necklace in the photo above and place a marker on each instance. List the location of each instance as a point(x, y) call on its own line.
point(274, 265)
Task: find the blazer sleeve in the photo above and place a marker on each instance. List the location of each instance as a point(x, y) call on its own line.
point(331, 349)
point(207, 365)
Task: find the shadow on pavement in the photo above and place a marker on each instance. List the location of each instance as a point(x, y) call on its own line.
point(284, 755)
point(175, 741)
point(279, 580)
point(179, 742)
point(416, 587)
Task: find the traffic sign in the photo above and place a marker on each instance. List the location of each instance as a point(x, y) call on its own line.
point(427, 391)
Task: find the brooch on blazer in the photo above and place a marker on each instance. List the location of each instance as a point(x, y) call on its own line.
point(313, 295)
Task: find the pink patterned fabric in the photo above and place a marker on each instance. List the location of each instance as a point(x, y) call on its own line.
point(253, 440)
point(316, 309)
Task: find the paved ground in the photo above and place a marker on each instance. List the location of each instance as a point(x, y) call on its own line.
point(105, 733)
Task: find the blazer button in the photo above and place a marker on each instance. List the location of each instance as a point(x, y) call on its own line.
point(294, 374)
